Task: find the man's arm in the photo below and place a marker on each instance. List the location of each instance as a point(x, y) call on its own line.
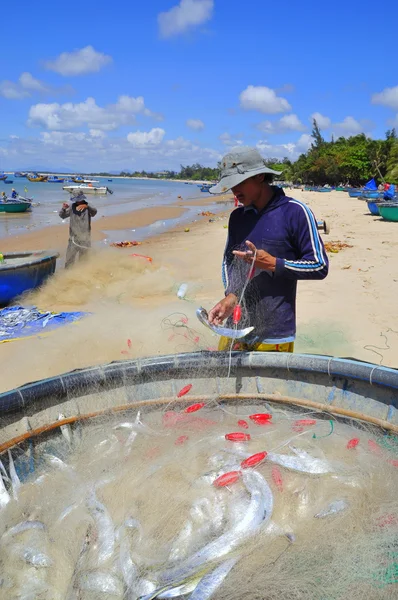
point(312, 262)
point(91, 210)
point(64, 213)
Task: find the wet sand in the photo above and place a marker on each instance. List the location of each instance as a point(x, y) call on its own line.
point(349, 314)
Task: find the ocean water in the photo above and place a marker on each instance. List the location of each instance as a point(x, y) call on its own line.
point(128, 195)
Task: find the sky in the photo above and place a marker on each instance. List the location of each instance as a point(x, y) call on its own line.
point(95, 86)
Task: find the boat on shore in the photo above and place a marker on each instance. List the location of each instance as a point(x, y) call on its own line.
point(87, 189)
point(24, 271)
point(35, 177)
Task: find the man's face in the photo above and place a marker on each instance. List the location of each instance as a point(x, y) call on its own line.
point(249, 191)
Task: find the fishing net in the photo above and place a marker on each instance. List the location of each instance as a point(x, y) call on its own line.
point(195, 496)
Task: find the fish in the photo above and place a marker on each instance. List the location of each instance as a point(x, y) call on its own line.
point(15, 483)
point(180, 590)
point(333, 508)
point(32, 556)
point(4, 495)
point(21, 528)
point(233, 334)
point(105, 528)
point(99, 581)
point(212, 581)
point(304, 463)
point(259, 511)
point(127, 566)
point(66, 430)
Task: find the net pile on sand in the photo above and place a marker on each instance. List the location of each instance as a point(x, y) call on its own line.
point(213, 501)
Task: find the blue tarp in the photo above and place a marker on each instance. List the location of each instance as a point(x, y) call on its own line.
point(20, 322)
point(371, 185)
point(390, 193)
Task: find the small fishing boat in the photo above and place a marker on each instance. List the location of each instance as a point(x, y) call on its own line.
point(9, 181)
point(87, 189)
point(373, 208)
point(3, 176)
point(371, 195)
point(23, 271)
point(389, 211)
point(355, 193)
point(110, 179)
point(80, 179)
point(14, 206)
point(19, 174)
point(35, 177)
point(54, 179)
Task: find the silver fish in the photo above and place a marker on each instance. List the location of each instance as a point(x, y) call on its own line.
point(66, 430)
point(32, 556)
point(127, 566)
point(180, 590)
point(233, 334)
point(4, 495)
point(212, 581)
point(105, 528)
point(21, 528)
point(258, 512)
point(333, 508)
point(305, 463)
point(15, 483)
point(98, 581)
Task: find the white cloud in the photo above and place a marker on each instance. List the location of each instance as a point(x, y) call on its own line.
point(291, 150)
point(388, 97)
point(66, 116)
point(230, 140)
point(263, 99)
point(184, 16)
point(145, 139)
point(286, 123)
point(323, 122)
point(350, 126)
point(82, 151)
point(79, 62)
point(26, 86)
point(195, 124)
point(304, 142)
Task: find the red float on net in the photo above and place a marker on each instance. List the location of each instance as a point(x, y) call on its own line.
point(227, 479)
point(261, 418)
point(242, 423)
point(184, 390)
point(238, 437)
point(253, 460)
point(352, 443)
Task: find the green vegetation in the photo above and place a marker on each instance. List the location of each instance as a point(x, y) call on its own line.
point(352, 160)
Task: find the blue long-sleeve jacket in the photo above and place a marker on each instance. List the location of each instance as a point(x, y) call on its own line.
point(287, 229)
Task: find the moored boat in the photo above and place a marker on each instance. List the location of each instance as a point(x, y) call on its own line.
point(389, 211)
point(55, 179)
point(9, 181)
point(87, 189)
point(35, 177)
point(19, 174)
point(14, 206)
point(23, 271)
point(3, 176)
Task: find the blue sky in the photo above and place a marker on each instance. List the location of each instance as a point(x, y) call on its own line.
point(151, 85)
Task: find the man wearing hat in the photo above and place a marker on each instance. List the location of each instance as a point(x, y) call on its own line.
point(80, 213)
point(273, 242)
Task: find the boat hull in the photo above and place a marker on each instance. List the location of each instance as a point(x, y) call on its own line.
point(27, 274)
point(37, 179)
point(373, 208)
point(85, 189)
point(389, 213)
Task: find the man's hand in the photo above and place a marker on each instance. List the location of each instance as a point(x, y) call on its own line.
point(263, 260)
point(223, 309)
point(81, 207)
point(65, 205)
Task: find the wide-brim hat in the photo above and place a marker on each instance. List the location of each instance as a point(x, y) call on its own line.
point(239, 164)
point(78, 195)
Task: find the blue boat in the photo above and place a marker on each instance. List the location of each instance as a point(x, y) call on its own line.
point(205, 188)
point(3, 176)
point(371, 195)
point(24, 271)
point(373, 208)
point(54, 179)
point(19, 174)
point(355, 193)
point(9, 181)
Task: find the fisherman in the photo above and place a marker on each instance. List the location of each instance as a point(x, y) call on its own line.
point(14, 194)
point(3, 197)
point(273, 242)
point(80, 213)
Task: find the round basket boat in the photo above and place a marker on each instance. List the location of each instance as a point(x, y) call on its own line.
point(345, 388)
point(389, 211)
point(23, 271)
point(373, 208)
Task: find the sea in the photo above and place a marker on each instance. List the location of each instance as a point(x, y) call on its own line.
point(128, 195)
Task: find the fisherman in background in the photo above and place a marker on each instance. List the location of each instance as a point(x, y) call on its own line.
point(273, 242)
point(14, 194)
point(79, 213)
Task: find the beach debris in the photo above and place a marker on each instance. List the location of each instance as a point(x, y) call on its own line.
point(125, 244)
point(335, 247)
point(187, 230)
point(206, 213)
point(148, 258)
point(346, 267)
point(182, 290)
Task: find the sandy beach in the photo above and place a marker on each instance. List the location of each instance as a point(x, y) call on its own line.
point(349, 314)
